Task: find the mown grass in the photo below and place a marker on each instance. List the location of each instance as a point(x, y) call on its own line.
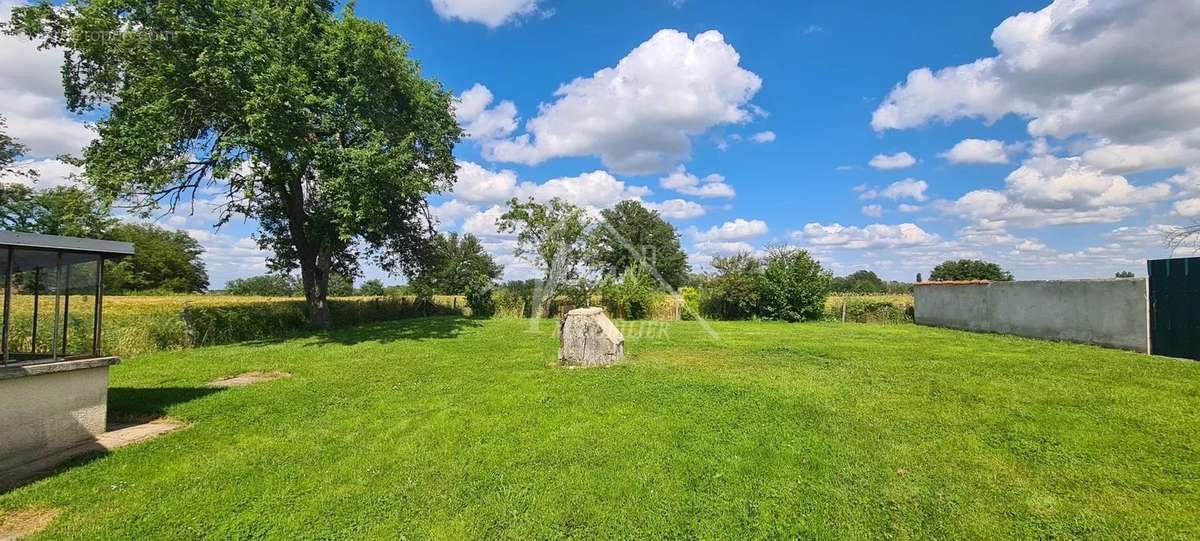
point(457, 428)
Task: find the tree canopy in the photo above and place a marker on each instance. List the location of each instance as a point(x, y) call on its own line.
point(551, 236)
point(266, 285)
point(163, 260)
point(629, 234)
point(458, 265)
point(969, 269)
point(63, 210)
point(318, 125)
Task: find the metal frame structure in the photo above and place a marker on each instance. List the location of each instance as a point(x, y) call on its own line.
point(12, 243)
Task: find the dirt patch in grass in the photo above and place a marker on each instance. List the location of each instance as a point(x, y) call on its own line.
point(23, 523)
point(248, 378)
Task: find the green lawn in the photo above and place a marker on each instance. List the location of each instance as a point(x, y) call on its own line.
point(453, 428)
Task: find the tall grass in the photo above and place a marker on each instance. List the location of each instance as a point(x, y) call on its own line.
point(135, 325)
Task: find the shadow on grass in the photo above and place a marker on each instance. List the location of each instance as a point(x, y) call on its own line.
point(137, 403)
point(425, 328)
point(418, 328)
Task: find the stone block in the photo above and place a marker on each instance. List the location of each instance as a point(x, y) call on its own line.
point(588, 338)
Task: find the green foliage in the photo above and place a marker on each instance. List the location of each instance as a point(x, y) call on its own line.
point(64, 210)
point(550, 236)
point(1125, 274)
point(865, 282)
point(164, 260)
point(862, 282)
point(510, 302)
point(319, 126)
point(632, 296)
point(458, 264)
point(735, 290)
point(794, 286)
point(629, 234)
point(479, 300)
point(372, 288)
point(267, 285)
point(969, 269)
point(341, 285)
point(869, 309)
point(691, 301)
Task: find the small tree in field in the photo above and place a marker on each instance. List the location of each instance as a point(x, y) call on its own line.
point(317, 125)
point(457, 264)
point(1124, 274)
point(794, 286)
point(552, 237)
point(372, 288)
point(969, 269)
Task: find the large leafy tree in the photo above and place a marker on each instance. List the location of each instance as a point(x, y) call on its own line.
point(459, 264)
point(318, 125)
point(969, 269)
point(551, 236)
point(861, 281)
point(163, 260)
point(72, 211)
point(630, 234)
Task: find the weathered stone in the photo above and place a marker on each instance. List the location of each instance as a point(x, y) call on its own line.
point(588, 338)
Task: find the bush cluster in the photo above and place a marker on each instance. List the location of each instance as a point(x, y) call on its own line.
point(786, 284)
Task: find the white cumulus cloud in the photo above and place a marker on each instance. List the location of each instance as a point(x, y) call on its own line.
point(677, 209)
point(640, 115)
point(899, 160)
point(867, 237)
point(713, 185)
point(1121, 72)
point(479, 119)
point(739, 229)
point(977, 151)
point(490, 13)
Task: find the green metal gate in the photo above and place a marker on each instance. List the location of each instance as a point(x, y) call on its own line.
point(1175, 307)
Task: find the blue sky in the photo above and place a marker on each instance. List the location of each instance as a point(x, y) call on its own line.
point(1058, 139)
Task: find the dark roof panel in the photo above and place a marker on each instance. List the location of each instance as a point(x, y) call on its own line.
point(65, 244)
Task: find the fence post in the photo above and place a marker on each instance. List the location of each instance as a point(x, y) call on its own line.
point(843, 309)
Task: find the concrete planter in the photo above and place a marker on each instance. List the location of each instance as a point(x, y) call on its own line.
point(47, 408)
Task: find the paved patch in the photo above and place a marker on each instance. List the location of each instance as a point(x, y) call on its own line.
point(249, 378)
point(119, 435)
point(23, 523)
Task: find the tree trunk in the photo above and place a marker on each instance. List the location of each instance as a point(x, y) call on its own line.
point(315, 276)
point(315, 256)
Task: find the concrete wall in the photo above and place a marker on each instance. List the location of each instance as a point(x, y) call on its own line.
point(1113, 313)
point(47, 409)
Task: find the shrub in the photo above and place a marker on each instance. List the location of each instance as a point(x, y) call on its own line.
point(734, 291)
point(372, 288)
point(509, 303)
point(969, 269)
point(479, 300)
point(794, 286)
point(691, 302)
point(631, 297)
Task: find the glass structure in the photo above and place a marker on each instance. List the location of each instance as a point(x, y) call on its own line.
point(53, 292)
